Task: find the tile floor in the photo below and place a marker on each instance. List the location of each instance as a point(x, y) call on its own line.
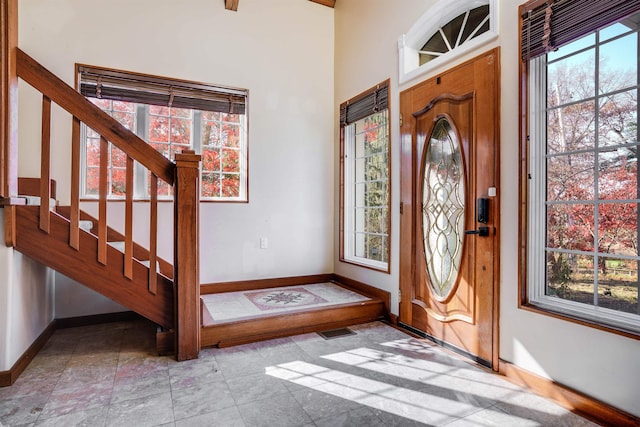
point(108, 375)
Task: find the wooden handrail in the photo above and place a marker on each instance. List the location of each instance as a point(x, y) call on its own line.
point(63, 95)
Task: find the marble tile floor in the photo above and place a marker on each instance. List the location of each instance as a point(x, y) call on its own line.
point(108, 375)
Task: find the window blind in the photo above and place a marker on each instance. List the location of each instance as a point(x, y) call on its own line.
point(144, 89)
point(370, 102)
point(550, 24)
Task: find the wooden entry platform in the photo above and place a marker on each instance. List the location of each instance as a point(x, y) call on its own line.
point(243, 312)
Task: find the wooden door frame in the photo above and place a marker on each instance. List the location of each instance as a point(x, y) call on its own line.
point(408, 194)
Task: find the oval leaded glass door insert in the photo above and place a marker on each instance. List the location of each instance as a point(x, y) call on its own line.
point(443, 193)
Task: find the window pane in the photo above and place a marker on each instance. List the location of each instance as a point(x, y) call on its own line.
point(571, 79)
point(570, 277)
point(93, 152)
point(571, 128)
point(181, 131)
point(210, 160)
point(230, 185)
point(181, 112)
point(211, 115)
point(92, 181)
point(118, 157)
point(570, 177)
point(618, 64)
point(618, 228)
point(377, 194)
point(618, 119)
point(118, 182)
point(210, 185)
point(618, 285)
point(210, 133)
point(128, 107)
point(570, 227)
point(374, 221)
point(231, 118)
point(618, 174)
point(230, 135)
point(613, 31)
point(158, 129)
point(231, 161)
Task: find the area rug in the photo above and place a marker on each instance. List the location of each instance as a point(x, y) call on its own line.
point(232, 306)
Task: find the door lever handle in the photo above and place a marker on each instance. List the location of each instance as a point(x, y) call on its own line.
point(482, 231)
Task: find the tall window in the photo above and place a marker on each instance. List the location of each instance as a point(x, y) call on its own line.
point(583, 180)
point(171, 115)
point(365, 179)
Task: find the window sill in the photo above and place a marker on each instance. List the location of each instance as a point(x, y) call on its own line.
point(533, 308)
point(371, 265)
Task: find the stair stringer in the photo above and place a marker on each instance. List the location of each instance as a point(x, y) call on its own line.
point(82, 265)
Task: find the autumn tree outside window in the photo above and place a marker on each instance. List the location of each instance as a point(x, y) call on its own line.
point(171, 115)
point(582, 185)
point(365, 179)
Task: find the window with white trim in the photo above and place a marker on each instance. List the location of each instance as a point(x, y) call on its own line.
point(365, 178)
point(171, 115)
point(448, 30)
point(583, 179)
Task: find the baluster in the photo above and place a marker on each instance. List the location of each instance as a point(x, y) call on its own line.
point(74, 215)
point(102, 202)
point(153, 234)
point(128, 222)
point(45, 165)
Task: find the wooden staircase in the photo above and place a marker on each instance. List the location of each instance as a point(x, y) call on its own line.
point(134, 276)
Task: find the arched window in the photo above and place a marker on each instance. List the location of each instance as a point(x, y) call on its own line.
point(445, 32)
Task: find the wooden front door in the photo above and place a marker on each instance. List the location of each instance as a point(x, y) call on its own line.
point(449, 213)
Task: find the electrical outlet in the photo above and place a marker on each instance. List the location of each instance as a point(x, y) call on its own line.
point(264, 243)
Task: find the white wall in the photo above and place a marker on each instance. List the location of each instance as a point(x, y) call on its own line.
point(26, 302)
point(281, 50)
point(597, 363)
point(367, 34)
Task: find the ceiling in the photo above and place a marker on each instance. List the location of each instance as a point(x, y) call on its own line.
point(233, 4)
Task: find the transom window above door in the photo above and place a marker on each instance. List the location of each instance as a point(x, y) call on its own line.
point(445, 32)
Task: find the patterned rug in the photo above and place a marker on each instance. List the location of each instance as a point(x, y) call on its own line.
point(220, 308)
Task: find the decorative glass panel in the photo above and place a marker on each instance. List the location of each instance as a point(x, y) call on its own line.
point(443, 195)
point(461, 29)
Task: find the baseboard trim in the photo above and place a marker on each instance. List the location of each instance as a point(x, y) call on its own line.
point(574, 401)
point(7, 378)
point(97, 319)
point(250, 285)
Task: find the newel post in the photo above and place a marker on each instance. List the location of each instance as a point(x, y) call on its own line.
point(186, 265)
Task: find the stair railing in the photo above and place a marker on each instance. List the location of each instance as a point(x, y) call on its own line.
point(182, 176)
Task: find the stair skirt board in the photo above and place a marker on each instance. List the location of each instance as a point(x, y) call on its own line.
point(247, 316)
